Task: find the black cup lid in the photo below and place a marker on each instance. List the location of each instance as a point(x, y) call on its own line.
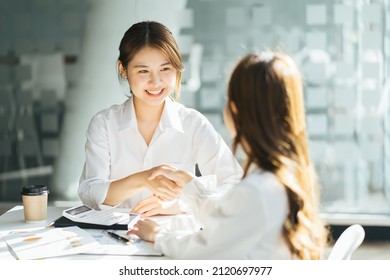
point(35, 190)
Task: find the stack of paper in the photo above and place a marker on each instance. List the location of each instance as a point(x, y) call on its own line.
point(50, 242)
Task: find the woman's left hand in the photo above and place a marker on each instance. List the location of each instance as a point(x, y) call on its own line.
point(146, 230)
point(152, 206)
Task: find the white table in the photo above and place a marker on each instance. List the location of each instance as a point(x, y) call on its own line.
point(13, 220)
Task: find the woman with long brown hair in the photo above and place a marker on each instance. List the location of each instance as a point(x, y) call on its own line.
point(273, 212)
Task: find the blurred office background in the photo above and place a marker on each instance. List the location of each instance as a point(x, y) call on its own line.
point(58, 68)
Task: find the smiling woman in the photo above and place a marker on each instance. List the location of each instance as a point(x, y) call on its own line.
point(151, 76)
point(126, 142)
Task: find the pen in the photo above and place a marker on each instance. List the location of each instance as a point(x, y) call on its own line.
point(119, 237)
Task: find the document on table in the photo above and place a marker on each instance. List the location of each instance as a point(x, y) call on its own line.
point(138, 247)
point(49, 242)
point(111, 246)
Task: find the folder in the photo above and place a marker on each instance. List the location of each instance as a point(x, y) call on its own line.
point(65, 222)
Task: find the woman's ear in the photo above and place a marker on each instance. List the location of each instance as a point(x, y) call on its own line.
point(122, 70)
point(233, 107)
point(229, 111)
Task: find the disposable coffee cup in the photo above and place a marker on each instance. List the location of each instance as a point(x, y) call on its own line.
point(34, 199)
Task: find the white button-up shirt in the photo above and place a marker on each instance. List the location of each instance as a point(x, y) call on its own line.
point(244, 223)
point(183, 138)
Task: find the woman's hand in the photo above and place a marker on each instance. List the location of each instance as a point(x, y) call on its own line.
point(161, 185)
point(152, 206)
point(179, 177)
point(146, 230)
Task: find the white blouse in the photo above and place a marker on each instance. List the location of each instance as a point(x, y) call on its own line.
point(244, 223)
point(184, 137)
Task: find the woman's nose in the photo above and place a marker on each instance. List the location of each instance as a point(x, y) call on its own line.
point(155, 79)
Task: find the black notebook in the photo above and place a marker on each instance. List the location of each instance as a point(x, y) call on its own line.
point(65, 222)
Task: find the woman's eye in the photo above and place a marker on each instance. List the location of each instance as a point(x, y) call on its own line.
point(143, 71)
point(166, 69)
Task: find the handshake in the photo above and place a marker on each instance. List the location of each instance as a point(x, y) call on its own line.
point(166, 183)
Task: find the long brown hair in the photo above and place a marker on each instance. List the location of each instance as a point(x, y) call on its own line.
point(265, 99)
point(151, 34)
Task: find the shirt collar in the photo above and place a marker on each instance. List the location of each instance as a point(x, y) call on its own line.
point(170, 117)
point(128, 119)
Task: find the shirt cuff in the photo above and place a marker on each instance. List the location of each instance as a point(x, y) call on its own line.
point(99, 193)
point(205, 185)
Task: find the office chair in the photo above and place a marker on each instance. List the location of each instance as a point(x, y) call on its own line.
point(350, 239)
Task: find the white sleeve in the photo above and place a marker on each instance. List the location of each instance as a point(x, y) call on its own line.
point(94, 181)
point(199, 197)
point(214, 156)
point(227, 224)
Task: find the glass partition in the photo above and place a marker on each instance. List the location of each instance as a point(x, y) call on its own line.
point(341, 46)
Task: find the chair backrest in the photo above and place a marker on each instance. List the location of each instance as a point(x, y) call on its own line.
point(350, 239)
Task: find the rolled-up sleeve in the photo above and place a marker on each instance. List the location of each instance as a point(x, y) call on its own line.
point(214, 156)
point(95, 178)
point(198, 197)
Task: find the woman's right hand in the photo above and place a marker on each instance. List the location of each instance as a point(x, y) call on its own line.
point(162, 183)
point(125, 188)
point(163, 187)
point(178, 176)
